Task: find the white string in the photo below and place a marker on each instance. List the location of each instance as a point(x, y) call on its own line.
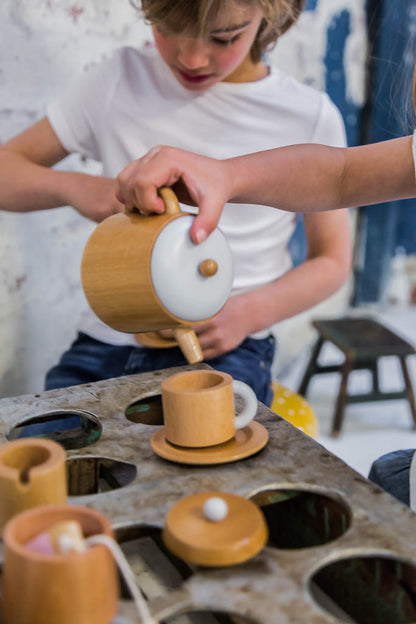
point(124, 567)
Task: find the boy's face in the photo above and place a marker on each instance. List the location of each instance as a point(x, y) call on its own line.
point(222, 54)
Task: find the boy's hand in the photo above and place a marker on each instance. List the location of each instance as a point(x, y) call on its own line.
point(94, 197)
point(224, 331)
point(197, 180)
point(221, 333)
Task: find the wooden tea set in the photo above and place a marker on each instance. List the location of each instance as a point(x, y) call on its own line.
point(140, 274)
point(152, 488)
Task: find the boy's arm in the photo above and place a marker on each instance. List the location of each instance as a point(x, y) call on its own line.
point(28, 183)
point(298, 178)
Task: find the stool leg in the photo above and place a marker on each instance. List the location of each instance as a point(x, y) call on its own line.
point(310, 369)
point(409, 389)
point(375, 376)
point(342, 399)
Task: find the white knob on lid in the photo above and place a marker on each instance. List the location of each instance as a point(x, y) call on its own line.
point(215, 509)
point(185, 290)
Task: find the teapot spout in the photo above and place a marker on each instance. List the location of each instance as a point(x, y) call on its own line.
point(189, 344)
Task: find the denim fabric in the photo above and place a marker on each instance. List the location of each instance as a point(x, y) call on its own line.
point(90, 360)
point(392, 472)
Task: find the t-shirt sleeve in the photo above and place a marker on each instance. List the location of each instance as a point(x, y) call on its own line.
point(78, 115)
point(414, 149)
point(330, 129)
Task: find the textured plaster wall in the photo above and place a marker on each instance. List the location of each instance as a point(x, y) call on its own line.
point(43, 43)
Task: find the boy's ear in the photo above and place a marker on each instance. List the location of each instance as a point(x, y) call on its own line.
point(298, 6)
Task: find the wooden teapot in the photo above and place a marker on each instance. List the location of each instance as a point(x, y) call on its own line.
point(144, 273)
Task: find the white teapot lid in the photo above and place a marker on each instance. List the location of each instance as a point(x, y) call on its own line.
point(175, 268)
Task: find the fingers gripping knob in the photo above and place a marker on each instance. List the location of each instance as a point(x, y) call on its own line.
point(215, 509)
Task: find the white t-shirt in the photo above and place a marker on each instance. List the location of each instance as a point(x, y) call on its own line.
point(121, 108)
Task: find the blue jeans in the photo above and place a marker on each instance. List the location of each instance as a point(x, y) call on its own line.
point(90, 360)
point(391, 472)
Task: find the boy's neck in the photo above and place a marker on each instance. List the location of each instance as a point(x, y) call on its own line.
point(248, 72)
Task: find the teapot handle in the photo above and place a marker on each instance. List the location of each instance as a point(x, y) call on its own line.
point(169, 199)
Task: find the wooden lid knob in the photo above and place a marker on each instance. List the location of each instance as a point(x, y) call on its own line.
point(234, 532)
point(208, 267)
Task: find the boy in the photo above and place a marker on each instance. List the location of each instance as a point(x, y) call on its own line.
point(203, 88)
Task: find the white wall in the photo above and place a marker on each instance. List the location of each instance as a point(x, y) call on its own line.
point(43, 43)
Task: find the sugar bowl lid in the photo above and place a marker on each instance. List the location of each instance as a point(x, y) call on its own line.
point(215, 529)
point(192, 281)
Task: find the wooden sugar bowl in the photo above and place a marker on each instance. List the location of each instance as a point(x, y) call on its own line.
point(32, 473)
point(144, 273)
point(57, 588)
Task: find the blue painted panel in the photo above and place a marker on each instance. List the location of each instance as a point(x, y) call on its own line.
point(335, 85)
point(335, 82)
point(406, 226)
point(311, 5)
point(386, 226)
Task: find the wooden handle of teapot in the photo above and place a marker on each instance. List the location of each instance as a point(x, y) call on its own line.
point(169, 199)
point(189, 344)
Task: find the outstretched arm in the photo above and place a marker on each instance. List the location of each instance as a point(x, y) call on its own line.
point(27, 181)
point(298, 178)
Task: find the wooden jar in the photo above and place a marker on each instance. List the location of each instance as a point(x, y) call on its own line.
point(74, 588)
point(32, 473)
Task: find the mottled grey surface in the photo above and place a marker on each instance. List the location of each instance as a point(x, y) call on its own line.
point(273, 587)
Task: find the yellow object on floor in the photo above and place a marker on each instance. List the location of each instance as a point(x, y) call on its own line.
point(293, 408)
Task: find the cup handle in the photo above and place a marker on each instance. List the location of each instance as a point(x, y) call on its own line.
point(250, 408)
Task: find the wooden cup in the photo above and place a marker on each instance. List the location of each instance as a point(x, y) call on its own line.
point(32, 473)
point(74, 588)
point(199, 410)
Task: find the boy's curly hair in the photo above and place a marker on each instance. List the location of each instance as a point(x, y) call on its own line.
point(190, 16)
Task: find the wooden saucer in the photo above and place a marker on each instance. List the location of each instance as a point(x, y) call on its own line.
point(246, 442)
point(190, 535)
point(155, 340)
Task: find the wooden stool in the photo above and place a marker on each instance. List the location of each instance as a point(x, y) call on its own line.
point(362, 341)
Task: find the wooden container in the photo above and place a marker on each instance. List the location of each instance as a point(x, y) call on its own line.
point(75, 588)
point(195, 536)
point(199, 410)
point(143, 273)
point(32, 473)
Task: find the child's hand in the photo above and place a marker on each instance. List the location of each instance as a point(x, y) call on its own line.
point(221, 333)
point(197, 180)
point(95, 197)
point(224, 331)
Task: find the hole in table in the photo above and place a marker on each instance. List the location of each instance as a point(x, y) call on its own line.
point(147, 411)
point(207, 617)
point(73, 429)
point(300, 518)
point(156, 570)
point(367, 590)
point(95, 475)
